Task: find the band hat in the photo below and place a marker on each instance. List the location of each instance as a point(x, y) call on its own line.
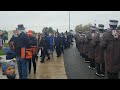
point(100, 26)
point(113, 22)
point(93, 28)
point(7, 63)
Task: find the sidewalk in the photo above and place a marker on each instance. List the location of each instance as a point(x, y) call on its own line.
point(51, 69)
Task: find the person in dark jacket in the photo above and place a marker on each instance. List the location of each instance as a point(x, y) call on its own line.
point(44, 44)
point(22, 41)
point(40, 35)
point(58, 44)
point(111, 46)
point(13, 40)
point(68, 39)
point(65, 40)
point(62, 42)
point(33, 42)
point(1, 45)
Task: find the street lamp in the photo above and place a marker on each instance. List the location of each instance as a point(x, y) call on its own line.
point(69, 20)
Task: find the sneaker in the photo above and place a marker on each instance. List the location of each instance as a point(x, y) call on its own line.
point(34, 72)
point(48, 58)
point(58, 56)
point(42, 61)
point(89, 67)
point(87, 61)
point(100, 75)
point(97, 74)
point(93, 67)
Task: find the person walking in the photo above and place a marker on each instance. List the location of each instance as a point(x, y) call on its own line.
point(33, 46)
point(58, 44)
point(44, 45)
point(22, 41)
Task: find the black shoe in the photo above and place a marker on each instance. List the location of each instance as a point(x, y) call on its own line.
point(3, 73)
point(91, 67)
point(34, 72)
point(37, 57)
point(42, 61)
point(48, 58)
point(100, 75)
point(87, 61)
point(57, 55)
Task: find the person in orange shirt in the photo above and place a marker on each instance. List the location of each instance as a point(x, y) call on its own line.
point(33, 44)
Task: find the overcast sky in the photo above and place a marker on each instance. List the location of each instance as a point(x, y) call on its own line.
point(36, 20)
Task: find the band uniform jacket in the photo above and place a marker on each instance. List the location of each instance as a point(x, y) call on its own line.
point(90, 47)
point(82, 44)
point(99, 52)
point(77, 40)
point(111, 46)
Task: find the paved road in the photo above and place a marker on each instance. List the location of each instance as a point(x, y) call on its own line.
point(50, 69)
point(75, 66)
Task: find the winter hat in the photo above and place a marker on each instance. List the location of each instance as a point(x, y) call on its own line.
point(30, 33)
point(7, 63)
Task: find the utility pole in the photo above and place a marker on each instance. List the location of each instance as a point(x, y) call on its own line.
point(69, 20)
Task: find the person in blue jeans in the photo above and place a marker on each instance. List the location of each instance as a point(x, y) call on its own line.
point(21, 40)
point(51, 46)
point(23, 68)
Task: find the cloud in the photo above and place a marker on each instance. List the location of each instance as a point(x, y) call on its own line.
point(56, 19)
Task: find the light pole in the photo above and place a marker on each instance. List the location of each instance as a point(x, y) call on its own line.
point(69, 20)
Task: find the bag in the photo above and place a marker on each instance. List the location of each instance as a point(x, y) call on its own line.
point(26, 53)
point(34, 49)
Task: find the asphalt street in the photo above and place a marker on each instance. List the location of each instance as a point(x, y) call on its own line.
point(75, 65)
